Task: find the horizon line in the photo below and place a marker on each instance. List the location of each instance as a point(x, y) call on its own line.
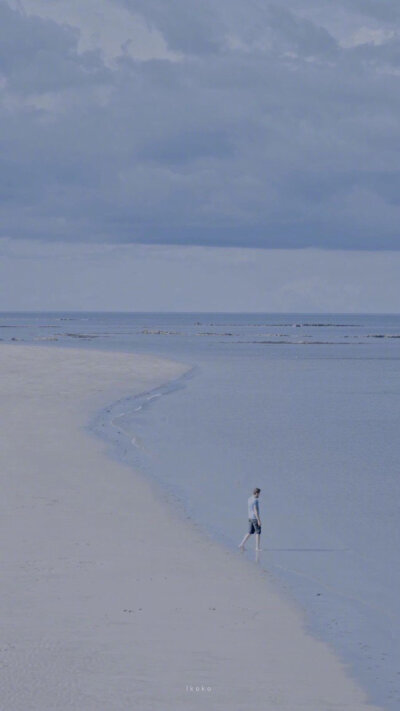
point(262, 313)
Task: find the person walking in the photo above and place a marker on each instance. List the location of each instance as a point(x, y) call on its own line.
point(254, 520)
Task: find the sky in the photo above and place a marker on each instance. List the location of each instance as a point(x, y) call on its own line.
point(244, 144)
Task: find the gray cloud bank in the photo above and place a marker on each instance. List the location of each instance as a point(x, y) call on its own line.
point(196, 122)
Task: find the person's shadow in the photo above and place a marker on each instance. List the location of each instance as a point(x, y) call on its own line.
point(307, 550)
point(298, 550)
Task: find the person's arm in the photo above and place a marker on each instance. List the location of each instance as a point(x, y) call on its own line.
point(257, 510)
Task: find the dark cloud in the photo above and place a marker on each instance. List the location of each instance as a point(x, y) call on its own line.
point(386, 11)
point(38, 55)
point(194, 27)
point(270, 126)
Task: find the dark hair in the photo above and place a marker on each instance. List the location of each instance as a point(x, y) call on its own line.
point(256, 491)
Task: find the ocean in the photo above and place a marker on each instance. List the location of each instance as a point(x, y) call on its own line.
point(304, 406)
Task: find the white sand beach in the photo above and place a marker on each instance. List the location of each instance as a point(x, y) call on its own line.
point(112, 602)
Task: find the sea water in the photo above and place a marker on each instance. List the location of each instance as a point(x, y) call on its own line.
point(305, 407)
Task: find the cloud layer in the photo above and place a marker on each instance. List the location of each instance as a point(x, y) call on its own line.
point(135, 277)
point(195, 122)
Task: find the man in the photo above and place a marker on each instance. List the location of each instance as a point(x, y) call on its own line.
point(254, 520)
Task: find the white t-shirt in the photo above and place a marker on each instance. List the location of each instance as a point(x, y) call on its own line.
point(253, 507)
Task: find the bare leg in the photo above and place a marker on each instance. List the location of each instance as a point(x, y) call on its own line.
point(241, 546)
point(258, 546)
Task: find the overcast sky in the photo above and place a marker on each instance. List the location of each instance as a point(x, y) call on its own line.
point(201, 126)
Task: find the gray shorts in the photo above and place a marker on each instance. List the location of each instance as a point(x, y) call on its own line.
point(254, 526)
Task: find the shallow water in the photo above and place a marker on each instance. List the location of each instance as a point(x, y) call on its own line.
point(312, 418)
